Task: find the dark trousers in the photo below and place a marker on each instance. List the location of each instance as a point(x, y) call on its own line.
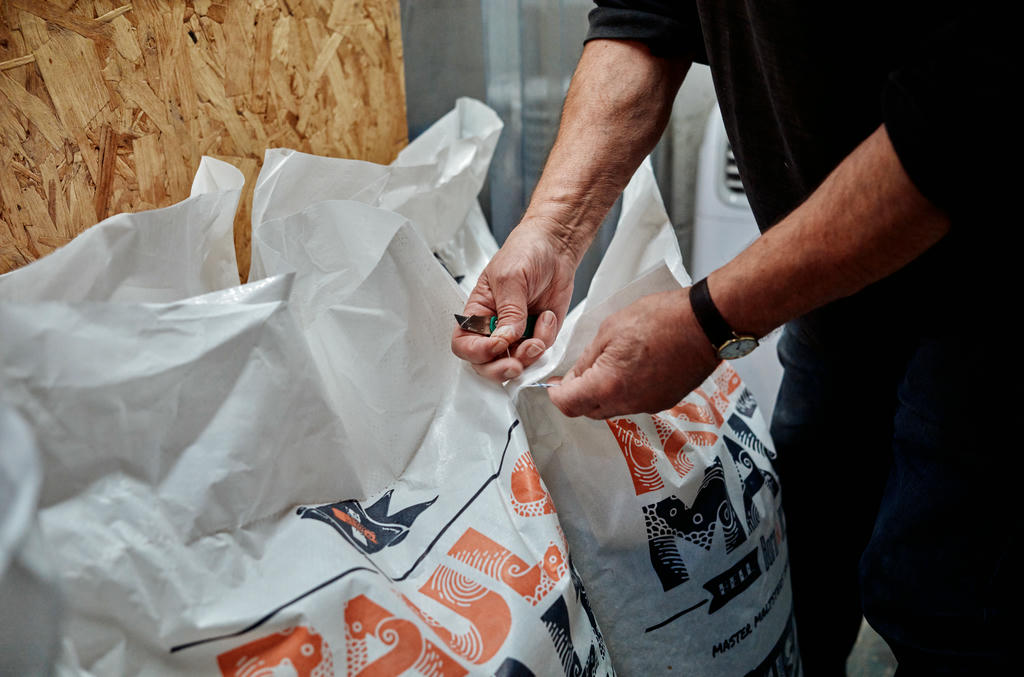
point(899, 464)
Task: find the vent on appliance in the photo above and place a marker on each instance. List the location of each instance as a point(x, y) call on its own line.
point(732, 173)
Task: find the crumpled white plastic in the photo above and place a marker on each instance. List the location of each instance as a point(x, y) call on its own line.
point(433, 182)
point(293, 474)
point(30, 604)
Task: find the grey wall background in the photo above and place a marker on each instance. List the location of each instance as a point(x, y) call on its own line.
point(443, 45)
point(518, 56)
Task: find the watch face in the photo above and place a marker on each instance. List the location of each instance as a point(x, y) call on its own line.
point(737, 347)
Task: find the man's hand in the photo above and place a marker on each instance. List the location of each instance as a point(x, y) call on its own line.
point(645, 358)
point(531, 274)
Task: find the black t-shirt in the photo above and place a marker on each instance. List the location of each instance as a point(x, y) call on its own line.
point(802, 82)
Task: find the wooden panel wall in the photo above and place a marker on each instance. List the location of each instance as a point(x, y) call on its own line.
point(107, 106)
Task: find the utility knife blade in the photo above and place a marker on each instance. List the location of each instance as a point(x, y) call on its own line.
point(478, 324)
point(484, 324)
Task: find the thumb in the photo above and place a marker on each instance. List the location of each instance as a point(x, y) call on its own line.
point(581, 393)
point(584, 389)
point(510, 306)
point(590, 354)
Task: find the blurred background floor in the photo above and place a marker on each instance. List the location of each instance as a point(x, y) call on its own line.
point(871, 656)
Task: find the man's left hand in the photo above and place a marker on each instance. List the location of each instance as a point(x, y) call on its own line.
point(645, 358)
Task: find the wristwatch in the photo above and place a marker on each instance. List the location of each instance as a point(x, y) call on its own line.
point(727, 343)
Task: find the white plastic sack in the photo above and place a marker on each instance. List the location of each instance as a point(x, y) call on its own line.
point(674, 520)
point(29, 599)
point(434, 182)
point(158, 255)
point(308, 481)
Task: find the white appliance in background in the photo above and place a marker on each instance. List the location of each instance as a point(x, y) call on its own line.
point(723, 227)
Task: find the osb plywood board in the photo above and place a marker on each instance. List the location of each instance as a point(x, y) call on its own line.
point(108, 106)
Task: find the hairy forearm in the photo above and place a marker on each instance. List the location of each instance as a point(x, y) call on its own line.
point(618, 104)
point(865, 222)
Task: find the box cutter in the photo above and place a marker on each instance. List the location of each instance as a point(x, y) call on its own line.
point(484, 325)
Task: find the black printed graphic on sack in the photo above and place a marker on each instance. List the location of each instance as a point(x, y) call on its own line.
point(369, 529)
point(752, 479)
point(734, 580)
point(510, 667)
point(746, 404)
point(584, 601)
point(748, 438)
point(670, 519)
point(556, 620)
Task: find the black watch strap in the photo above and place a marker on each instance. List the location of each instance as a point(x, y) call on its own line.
point(711, 321)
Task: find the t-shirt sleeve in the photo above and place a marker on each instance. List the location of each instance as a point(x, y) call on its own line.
point(669, 28)
point(947, 112)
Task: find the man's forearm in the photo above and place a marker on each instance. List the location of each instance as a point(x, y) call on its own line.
point(865, 222)
point(618, 104)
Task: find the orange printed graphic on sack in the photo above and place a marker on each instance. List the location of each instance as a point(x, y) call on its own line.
point(676, 431)
point(691, 425)
point(674, 441)
point(726, 382)
point(487, 614)
point(706, 411)
point(529, 498)
point(707, 405)
point(296, 652)
point(368, 534)
point(726, 379)
point(639, 455)
point(379, 644)
point(532, 583)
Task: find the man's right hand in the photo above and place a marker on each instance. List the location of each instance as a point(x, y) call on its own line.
point(531, 274)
